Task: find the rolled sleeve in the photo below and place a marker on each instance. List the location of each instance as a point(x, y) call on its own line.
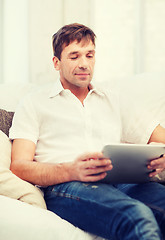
point(25, 123)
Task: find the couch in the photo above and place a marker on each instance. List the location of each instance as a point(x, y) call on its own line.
point(23, 213)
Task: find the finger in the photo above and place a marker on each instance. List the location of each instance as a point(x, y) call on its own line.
point(153, 174)
point(157, 162)
point(88, 156)
point(95, 178)
point(157, 171)
point(98, 170)
point(93, 163)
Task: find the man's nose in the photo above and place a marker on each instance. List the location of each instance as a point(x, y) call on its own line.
point(83, 63)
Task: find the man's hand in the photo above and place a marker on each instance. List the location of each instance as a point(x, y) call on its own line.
point(91, 167)
point(157, 165)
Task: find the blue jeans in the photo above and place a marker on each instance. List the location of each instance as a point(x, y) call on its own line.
point(118, 211)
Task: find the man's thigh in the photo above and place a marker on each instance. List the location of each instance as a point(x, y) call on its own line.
point(105, 194)
point(94, 207)
point(151, 193)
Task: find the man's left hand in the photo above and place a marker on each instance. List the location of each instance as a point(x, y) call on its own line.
point(157, 165)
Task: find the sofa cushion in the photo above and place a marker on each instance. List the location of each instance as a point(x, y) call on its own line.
point(10, 184)
point(20, 221)
point(5, 121)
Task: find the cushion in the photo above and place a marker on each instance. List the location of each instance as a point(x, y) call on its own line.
point(5, 121)
point(12, 186)
point(20, 221)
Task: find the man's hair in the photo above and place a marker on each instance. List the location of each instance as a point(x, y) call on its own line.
point(68, 34)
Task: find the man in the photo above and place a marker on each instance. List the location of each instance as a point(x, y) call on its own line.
point(59, 132)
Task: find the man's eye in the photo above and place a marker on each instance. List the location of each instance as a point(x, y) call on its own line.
point(73, 58)
point(90, 56)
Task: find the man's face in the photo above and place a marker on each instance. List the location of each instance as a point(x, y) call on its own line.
point(77, 64)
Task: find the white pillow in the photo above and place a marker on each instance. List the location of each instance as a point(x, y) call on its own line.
point(22, 221)
point(12, 186)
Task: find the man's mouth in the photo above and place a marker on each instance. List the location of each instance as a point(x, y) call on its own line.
point(82, 74)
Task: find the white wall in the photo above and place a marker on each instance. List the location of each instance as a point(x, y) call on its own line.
point(154, 35)
point(130, 36)
point(45, 18)
point(15, 41)
point(115, 28)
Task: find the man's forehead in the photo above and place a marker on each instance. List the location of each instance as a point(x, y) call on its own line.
point(76, 46)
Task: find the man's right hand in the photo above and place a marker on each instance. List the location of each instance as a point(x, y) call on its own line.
point(91, 167)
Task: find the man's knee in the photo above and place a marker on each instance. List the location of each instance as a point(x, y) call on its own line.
point(138, 218)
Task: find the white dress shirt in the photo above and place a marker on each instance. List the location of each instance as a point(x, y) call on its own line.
point(62, 128)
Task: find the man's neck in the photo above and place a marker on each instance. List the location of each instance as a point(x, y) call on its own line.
point(79, 92)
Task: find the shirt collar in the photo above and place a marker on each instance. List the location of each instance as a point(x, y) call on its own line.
point(58, 88)
point(96, 89)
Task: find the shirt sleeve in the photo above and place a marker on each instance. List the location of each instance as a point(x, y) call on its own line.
point(25, 124)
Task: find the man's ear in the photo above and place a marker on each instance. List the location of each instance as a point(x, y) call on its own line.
point(56, 63)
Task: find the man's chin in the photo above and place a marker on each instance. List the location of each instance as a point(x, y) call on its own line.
point(84, 78)
point(84, 83)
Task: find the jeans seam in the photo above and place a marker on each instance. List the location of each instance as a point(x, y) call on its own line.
point(67, 195)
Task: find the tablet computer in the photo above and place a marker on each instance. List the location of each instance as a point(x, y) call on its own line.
point(130, 162)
